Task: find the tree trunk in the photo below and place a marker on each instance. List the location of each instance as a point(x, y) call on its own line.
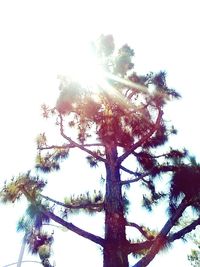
point(115, 254)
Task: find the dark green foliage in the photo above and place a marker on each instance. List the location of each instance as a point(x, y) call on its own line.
point(22, 184)
point(60, 154)
point(126, 203)
point(46, 263)
point(88, 202)
point(173, 130)
point(37, 241)
point(92, 161)
point(158, 139)
point(146, 160)
point(159, 80)
point(47, 163)
point(46, 168)
point(185, 183)
point(98, 197)
point(50, 162)
point(24, 224)
point(147, 203)
point(176, 154)
point(193, 161)
point(186, 180)
point(194, 257)
point(154, 198)
point(35, 214)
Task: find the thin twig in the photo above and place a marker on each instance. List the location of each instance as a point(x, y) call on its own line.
point(129, 171)
point(141, 229)
point(75, 144)
point(66, 146)
point(94, 206)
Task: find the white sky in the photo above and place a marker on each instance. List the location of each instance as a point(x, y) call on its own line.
point(37, 41)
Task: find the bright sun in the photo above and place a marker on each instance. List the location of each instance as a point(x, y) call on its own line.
point(84, 66)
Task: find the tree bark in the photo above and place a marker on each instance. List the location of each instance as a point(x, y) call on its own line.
point(115, 253)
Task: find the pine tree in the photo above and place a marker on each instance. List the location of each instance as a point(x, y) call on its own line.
point(118, 123)
point(194, 257)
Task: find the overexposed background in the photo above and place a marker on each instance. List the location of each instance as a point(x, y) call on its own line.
point(41, 39)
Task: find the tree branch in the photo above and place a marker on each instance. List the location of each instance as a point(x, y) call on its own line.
point(138, 174)
point(129, 171)
point(96, 239)
point(161, 238)
point(131, 181)
point(184, 231)
point(141, 177)
point(94, 206)
point(70, 226)
point(159, 169)
point(143, 139)
point(138, 247)
point(75, 144)
point(141, 229)
point(152, 156)
point(65, 146)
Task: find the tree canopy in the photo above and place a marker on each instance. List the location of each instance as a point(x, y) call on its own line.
point(118, 122)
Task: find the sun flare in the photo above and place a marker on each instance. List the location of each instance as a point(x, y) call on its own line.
point(94, 71)
point(84, 66)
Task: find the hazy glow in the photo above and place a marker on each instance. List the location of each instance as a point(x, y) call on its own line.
point(39, 41)
point(84, 67)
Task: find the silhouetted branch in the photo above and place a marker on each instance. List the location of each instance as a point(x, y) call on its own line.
point(157, 243)
point(140, 177)
point(141, 230)
point(94, 206)
point(161, 238)
point(66, 146)
point(151, 156)
point(69, 226)
point(137, 174)
point(75, 229)
point(129, 171)
point(184, 231)
point(158, 169)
